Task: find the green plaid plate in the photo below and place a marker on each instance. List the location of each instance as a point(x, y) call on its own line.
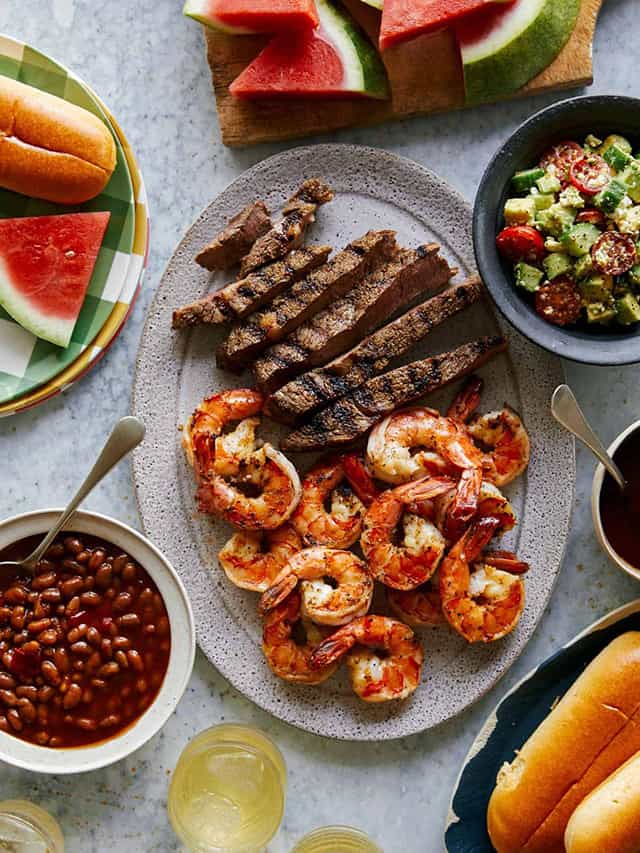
point(27, 362)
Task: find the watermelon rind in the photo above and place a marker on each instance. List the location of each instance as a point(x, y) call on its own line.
point(530, 36)
point(55, 330)
point(364, 71)
point(199, 10)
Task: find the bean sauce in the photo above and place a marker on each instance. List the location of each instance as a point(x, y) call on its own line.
point(620, 513)
point(84, 645)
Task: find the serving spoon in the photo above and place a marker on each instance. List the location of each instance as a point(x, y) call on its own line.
point(127, 434)
point(565, 409)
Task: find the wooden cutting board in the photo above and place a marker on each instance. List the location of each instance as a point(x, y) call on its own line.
point(425, 77)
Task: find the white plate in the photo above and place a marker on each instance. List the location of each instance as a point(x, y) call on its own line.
point(175, 371)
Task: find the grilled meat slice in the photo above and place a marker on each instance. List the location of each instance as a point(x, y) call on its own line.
point(351, 417)
point(248, 294)
point(305, 298)
point(304, 395)
point(232, 244)
point(299, 212)
point(378, 296)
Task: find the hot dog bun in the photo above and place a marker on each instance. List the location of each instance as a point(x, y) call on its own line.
point(51, 149)
point(608, 820)
point(589, 734)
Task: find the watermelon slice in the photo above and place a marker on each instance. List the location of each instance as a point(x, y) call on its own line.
point(336, 60)
point(241, 17)
point(403, 20)
point(504, 48)
point(46, 264)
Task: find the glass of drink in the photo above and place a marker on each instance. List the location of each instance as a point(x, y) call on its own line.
point(336, 839)
point(228, 790)
point(26, 828)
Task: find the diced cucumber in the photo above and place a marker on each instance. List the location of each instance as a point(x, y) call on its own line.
point(634, 275)
point(557, 264)
point(543, 200)
point(627, 310)
point(579, 239)
point(519, 211)
point(630, 179)
point(556, 219)
point(527, 277)
point(596, 288)
point(615, 139)
point(584, 266)
point(548, 184)
point(610, 197)
point(599, 313)
point(616, 158)
point(523, 181)
point(592, 141)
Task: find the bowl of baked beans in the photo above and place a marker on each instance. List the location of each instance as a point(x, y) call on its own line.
point(96, 648)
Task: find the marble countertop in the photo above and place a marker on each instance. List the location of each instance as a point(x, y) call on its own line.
point(148, 64)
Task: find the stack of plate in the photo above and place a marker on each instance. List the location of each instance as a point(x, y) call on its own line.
point(32, 370)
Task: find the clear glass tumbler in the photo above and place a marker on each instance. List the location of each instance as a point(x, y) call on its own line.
point(336, 839)
point(26, 828)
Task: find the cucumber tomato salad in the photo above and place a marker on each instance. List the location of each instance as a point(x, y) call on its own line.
point(572, 228)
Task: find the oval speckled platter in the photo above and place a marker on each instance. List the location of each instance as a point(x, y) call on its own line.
point(375, 189)
point(513, 721)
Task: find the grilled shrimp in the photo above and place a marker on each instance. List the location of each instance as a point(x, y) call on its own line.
point(402, 446)
point(491, 503)
point(415, 559)
point(506, 440)
point(420, 607)
point(348, 596)
point(253, 559)
point(336, 527)
point(386, 662)
point(288, 642)
point(482, 604)
point(467, 400)
point(254, 488)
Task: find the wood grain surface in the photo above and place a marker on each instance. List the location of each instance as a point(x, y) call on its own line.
point(425, 77)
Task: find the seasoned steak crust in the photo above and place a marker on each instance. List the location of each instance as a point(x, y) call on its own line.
point(389, 287)
point(352, 417)
point(252, 292)
point(299, 213)
point(305, 298)
point(302, 396)
point(233, 243)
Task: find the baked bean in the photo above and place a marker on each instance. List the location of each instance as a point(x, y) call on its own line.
point(73, 567)
point(41, 609)
point(119, 563)
point(94, 636)
point(97, 559)
point(5, 614)
point(143, 702)
point(44, 580)
point(48, 637)
point(145, 599)
point(99, 683)
point(78, 665)
point(20, 638)
point(122, 602)
point(42, 738)
point(55, 551)
point(89, 583)
point(52, 595)
point(43, 715)
point(73, 545)
point(113, 703)
point(84, 556)
point(129, 572)
point(55, 742)
point(73, 606)
point(87, 724)
point(108, 670)
point(106, 649)
point(8, 698)
point(123, 643)
point(111, 720)
point(94, 662)
point(90, 599)
point(7, 682)
point(126, 692)
point(39, 625)
point(81, 648)
point(142, 685)
point(31, 648)
point(72, 697)
point(129, 620)
point(51, 673)
point(149, 630)
point(77, 633)
point(4, 725)
point(87, 696)
point(103, 576)
point(27, 711)
point(163, 626)
point(18, 617)
point(61, 660)
point(15, 720)
point(27, 691)
point(70, 588)
point(121, 659)
point(16, 595)
point(45, 694)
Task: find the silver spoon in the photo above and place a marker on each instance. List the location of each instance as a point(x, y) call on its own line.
point(565, 409)
point(127, 434)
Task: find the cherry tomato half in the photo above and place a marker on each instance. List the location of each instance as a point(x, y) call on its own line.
point(590, 174)
point(614, 253)
point(521, 242)
point(561, 156)
point(559, 302)
point(593, 217)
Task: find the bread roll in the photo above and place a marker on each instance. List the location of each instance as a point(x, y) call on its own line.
point(590, 733)
point(50, 148)
point(608, 820)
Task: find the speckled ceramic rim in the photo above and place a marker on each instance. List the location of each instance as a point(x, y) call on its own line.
point(596, 489)
point(572, 117)
point(183, 646)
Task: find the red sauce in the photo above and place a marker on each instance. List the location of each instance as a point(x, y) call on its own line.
point(620, 513)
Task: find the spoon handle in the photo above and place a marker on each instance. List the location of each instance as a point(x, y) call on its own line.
point(565, 409)
point(127, 434)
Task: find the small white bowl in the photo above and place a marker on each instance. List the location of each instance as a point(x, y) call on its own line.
point(80, 759)
point(598, 479)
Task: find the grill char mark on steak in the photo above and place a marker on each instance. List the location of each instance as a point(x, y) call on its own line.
point(302, 396)
point(252, 292)
point(233, 243)
point(305, 298)
point(299, 212)
point(350, 418)
point(388, 288)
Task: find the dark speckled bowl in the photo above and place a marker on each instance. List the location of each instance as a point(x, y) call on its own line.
point(570, 119)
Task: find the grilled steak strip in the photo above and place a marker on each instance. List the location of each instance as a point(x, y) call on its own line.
point(236, 240)
point(317, 388)
point(288, 234)
point(242, 297)
point(304, 298)
point(351, 417)
point(378, 296)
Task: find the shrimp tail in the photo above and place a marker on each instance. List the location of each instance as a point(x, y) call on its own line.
point(478, 537)
point(276, 594)
point(425, 489)
point(359, 478)
point(465, 503)
point(333, 648)
point(507, 561)
point(467, 400)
